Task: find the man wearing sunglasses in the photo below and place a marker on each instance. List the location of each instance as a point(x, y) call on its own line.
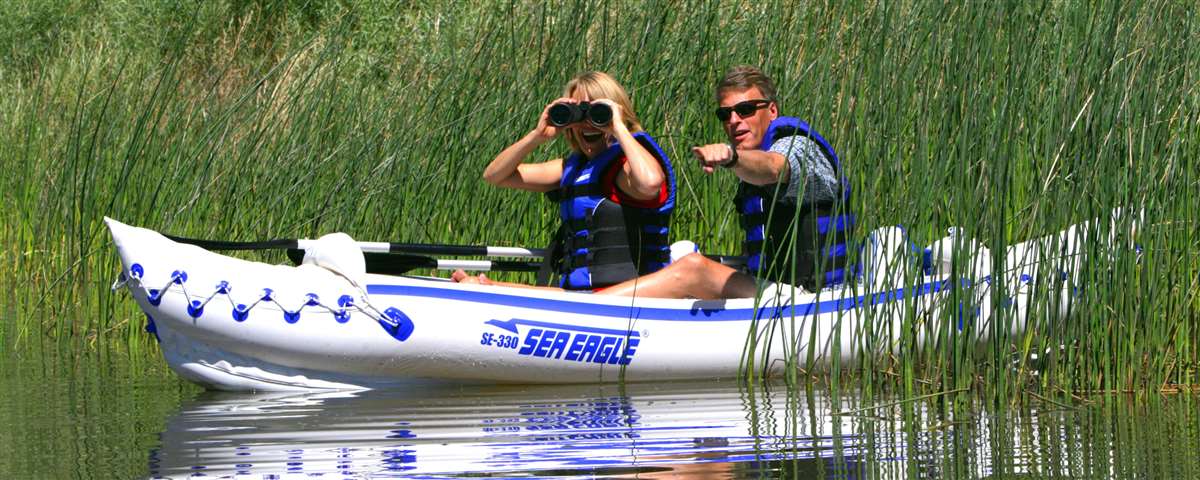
point(792, 202)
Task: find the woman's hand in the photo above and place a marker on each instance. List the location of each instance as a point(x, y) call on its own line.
point(618, 122)
point(544, 131)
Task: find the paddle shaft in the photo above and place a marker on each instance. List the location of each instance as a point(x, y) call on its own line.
point(401, 263)
point(391, 262)
point(435, 249)
point(370, 247)
point(397, 258)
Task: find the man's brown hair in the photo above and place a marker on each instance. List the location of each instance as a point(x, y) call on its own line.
point(743, 77)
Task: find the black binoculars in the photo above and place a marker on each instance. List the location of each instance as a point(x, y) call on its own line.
point(563, 114)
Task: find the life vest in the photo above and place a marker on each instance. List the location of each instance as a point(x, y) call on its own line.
point(602, 242)
point(819, 230)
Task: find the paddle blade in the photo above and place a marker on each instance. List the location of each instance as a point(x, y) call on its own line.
point(381, 263)
point(224, 245)
point(397, 263)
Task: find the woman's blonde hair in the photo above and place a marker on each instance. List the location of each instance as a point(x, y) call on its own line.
point(599, 85)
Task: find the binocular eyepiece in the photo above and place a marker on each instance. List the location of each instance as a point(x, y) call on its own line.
point(563, 114)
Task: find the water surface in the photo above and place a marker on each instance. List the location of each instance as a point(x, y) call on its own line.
point(126, 416)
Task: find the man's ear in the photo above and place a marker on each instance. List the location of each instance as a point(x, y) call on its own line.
point(773, 110)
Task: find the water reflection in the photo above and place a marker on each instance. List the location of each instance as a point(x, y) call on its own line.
point(110, 415)
point(691, 429)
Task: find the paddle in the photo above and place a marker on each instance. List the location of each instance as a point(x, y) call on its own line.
point(370, 247)
point(393, 258)
point(401, 263)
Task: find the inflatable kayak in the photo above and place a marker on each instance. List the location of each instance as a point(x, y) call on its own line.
point(232, 324)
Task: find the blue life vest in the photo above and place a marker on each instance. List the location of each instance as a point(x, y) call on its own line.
point(602, 242)
point(819, 230)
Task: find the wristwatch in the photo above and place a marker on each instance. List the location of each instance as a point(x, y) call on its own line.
point(733, 156)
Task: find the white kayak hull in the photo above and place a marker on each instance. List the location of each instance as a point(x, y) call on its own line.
point(232, 324)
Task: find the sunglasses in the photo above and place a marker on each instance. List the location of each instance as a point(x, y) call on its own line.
point(743, 109)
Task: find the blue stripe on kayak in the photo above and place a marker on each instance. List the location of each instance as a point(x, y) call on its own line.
point(694, 314)
point(511, 325)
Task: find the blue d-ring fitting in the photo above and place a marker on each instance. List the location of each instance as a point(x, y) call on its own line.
point(313, 300)
point(195, 309)
point(179, 277)
point(154, 296)
point(136, 270)
point(151, 328)
point(344, 301)
point(240, 312)
point(223, 287)
point(1025, 278)
point(400, 327)
point(291, 317)
point(266, 296)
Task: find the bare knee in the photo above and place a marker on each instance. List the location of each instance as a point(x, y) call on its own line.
point(689, 268)
point(694, 262)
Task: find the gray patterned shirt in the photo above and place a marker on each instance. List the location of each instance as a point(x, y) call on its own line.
point(809, 171)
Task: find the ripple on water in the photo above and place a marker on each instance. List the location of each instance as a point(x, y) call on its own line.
point(113, 416)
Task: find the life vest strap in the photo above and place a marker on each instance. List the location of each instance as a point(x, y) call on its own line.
point(614, 238)
point(614, 256)
point(648, 221)
point(593, 189)
point(553, 260)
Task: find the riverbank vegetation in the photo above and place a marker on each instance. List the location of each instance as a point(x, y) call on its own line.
point(246, 120)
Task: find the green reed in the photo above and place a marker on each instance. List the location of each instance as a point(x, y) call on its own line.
point(273, 119)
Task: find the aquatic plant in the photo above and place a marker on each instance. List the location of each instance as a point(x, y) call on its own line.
point(258, 120)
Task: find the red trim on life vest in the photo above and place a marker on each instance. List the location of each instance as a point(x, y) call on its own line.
point(612, 192)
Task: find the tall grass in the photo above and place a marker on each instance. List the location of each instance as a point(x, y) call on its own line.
point(252, 120)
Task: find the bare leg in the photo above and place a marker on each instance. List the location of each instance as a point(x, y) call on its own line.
point(693, 276)
point(461, 276)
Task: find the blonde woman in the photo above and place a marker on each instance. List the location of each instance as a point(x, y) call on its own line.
point(615, 190)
